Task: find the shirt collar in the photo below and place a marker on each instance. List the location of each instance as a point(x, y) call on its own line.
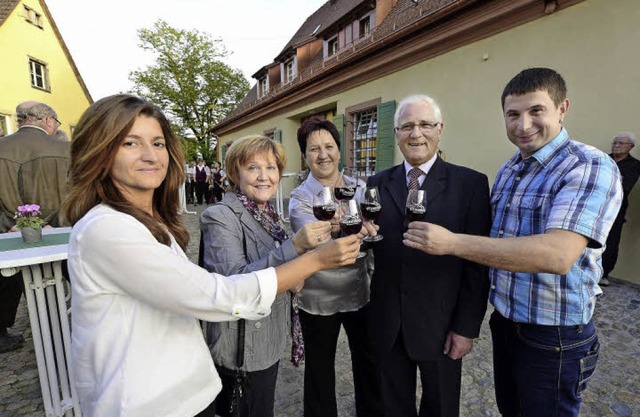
point(425, 168)
point(33, 127)
point(546, 153)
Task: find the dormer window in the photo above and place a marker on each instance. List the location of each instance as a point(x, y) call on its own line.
point(289, 70)
point(365, 26)
point(332, 46)
point(263, 87)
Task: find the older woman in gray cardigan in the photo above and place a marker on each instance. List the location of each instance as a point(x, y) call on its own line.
point(243, 233)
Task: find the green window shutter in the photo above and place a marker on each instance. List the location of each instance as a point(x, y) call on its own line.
point(386, 139)
point(338, 120)
point(277, 135)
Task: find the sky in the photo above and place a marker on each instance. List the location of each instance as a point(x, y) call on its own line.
point(102, 38)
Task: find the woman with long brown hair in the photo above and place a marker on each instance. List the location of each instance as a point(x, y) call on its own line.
point(137, 347)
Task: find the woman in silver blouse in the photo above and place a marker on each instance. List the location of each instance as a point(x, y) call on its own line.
point(335, 297)
point(243, 233)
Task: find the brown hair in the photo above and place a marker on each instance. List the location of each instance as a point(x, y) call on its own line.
point(96, 140)
point(246, 147)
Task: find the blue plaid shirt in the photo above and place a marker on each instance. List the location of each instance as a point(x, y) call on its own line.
point(564, 185)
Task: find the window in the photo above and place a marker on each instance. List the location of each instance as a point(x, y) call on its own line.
point(365, 26)
point(32, 16)
point(4, 124)
point(263, 87)
point(364, 144)
point(38, 72)
point(332, 46)
point(289, 70)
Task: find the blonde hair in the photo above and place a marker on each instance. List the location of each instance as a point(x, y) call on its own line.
point(246, 147)
point(96, 140)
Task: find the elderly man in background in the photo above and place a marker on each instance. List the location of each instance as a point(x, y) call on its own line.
point(33, 168)
point(630, 171)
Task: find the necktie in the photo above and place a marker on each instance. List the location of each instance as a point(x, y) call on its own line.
point(414, 174)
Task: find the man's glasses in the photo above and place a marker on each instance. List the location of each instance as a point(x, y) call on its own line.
point(57, 121)
point(425, 127)
point(614, 143)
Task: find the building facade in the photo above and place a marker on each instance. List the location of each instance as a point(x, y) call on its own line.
point(36, 65)
point(352, 61)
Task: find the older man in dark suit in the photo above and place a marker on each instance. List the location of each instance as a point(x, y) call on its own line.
point(426, 310)
point(33, 168)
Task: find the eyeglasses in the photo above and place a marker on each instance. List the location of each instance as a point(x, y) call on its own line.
point(614, 143)
point(57, 121)
point(425, 127)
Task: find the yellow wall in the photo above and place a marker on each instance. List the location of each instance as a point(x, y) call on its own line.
point(21, 40)
point(593, 45)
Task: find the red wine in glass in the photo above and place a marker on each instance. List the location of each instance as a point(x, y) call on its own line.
point(350, 226)
point(351, 220)
point(416, 208)
point(344, 193)
point(325, 212)
point(416, 213)
point(370, 211)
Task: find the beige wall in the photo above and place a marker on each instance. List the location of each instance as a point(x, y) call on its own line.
point(593, 45)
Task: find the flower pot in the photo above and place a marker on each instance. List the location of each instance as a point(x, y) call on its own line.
point(31, 235)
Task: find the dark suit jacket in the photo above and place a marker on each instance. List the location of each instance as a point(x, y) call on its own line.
point(428, 295)
point(33, 170)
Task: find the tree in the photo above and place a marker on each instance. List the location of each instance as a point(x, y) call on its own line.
point(189, 81)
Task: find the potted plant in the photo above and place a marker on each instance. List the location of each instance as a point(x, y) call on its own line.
point(30, 223)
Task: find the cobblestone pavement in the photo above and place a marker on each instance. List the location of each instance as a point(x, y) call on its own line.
point(613, 391)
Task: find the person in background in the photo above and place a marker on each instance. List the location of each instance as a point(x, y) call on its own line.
point(243, 233)
point(202, 173)
point(426, 310)
point(554, 202)
point(334, 298)
point(33, 167)
point(190, 182)
point(629, 168)
point(136, 300)
point(218, 175)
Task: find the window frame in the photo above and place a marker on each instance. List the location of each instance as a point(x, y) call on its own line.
point(44, 76)
point(31, 16)
point(370, 149)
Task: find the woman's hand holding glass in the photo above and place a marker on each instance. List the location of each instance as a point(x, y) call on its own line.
point(311, 235)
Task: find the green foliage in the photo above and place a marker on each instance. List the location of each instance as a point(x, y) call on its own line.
point(189, 81)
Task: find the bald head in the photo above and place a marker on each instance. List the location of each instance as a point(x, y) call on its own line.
point(38, 114)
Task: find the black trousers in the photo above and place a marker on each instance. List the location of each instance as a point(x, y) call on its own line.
point(201, 191)
point(258, 397)
point(320, 341)
point(10, 293)
point(610, 255)
point(440, 384)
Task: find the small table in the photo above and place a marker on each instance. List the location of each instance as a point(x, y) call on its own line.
point(44, 284)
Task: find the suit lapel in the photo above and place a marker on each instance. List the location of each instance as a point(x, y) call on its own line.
point(397, 187)
point(248, 222)
point(435, 182)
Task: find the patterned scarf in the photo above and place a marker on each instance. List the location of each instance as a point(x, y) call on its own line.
point(270, 221)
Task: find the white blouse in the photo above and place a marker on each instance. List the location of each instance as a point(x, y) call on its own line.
point(137, 348)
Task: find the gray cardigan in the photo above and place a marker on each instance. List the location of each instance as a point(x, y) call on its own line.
point(222, 225)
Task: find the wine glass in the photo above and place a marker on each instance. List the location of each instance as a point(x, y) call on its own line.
point(324, 207)
point(346, 185)
point(371, 209)
point(350, 219)
point(416, 206)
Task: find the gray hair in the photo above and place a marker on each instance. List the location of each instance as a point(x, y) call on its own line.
point(41, 111)
point(415, 99)
point(629, 135)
